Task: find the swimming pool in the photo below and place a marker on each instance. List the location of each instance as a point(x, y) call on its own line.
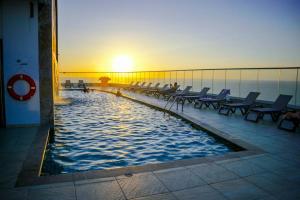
point(102, 131)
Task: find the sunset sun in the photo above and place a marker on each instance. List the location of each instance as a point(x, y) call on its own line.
point(122, 63)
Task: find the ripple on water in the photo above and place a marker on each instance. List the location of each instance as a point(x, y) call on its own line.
point(101, 131)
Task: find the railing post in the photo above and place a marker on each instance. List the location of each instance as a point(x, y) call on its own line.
point(140, 75)
point(193, 80)
point(296, 90)
point(183, 78)
point(225, 79)
point(257, 81)
point(213, 77)
point(278, 82)
point(240, 82)
point(201, 78)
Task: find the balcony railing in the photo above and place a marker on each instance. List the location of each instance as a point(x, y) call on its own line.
point(270, 82)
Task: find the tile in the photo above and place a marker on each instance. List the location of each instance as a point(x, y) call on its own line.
point(13, 194)
point(239, 189)
point(268, 163)
point(212, 173)
point(293, 194)
point(292, 174)
point(8, 174)
point(52, 193)
point(202, 192)
point(179, 179)
point(243, 168)
point(269, 197)
point(96, 180)
point(109, 190)
point(273, 183)
point(53, 185)
point(166, 196)
point(140, 185)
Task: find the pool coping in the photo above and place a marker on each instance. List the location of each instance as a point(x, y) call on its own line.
point(31, 169)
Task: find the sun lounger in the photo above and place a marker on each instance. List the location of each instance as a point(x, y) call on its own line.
point(68, 84)
point(166, 93)
point(175, 95)
point(154, 92)
point(290, 121)
point(139, 87)
point(191, 97)
point(133, 85)
point(214, 101)
point(150, 88)
point(275, 110)
point(244, 106)
point(180, 93)
point(81, 84)
point(128, 86)
point(143, 88)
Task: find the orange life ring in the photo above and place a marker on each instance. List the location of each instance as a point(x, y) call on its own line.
point(13, 80)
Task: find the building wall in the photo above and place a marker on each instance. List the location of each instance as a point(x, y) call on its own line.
point(47, 59)
point(21, 55)
point(55, 66)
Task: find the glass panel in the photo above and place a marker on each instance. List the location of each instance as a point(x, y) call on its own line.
point(249, 82)
point(168, 77)
point(189, 79)
point(148, 76)
point(160, 78)
point(268, 84)
point(288, 83)
point(173, 77)
point(233, 82)
point(219, 81)
point(197, 81)
point(298, 88)
point(181, 79)
point(152, 76)
point(207, 78)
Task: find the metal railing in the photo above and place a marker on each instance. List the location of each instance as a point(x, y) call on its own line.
point(270, 82)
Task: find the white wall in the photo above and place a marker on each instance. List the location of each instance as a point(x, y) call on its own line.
point(20, 42)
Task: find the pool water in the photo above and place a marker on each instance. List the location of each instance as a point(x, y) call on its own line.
point(102, 131)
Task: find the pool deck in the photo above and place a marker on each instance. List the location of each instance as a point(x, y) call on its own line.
point(273, 174)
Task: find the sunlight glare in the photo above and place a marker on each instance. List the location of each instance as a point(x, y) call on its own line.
point(122, 63)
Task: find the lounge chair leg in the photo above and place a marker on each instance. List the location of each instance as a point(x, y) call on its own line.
point(220, 110)
point(213, 105)
point(182, 105)
point(258, 116)
point(201, 104)
point(195, 104)
point(275, 116)
point(224, 108)
point(243, 111)
point(293, 129)
point(233, 110)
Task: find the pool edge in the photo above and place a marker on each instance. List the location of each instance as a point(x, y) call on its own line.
point(31, 169)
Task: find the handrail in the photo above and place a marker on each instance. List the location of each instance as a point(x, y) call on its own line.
point(183, 70)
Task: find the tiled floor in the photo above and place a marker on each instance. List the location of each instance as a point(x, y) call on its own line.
point(272, 175)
